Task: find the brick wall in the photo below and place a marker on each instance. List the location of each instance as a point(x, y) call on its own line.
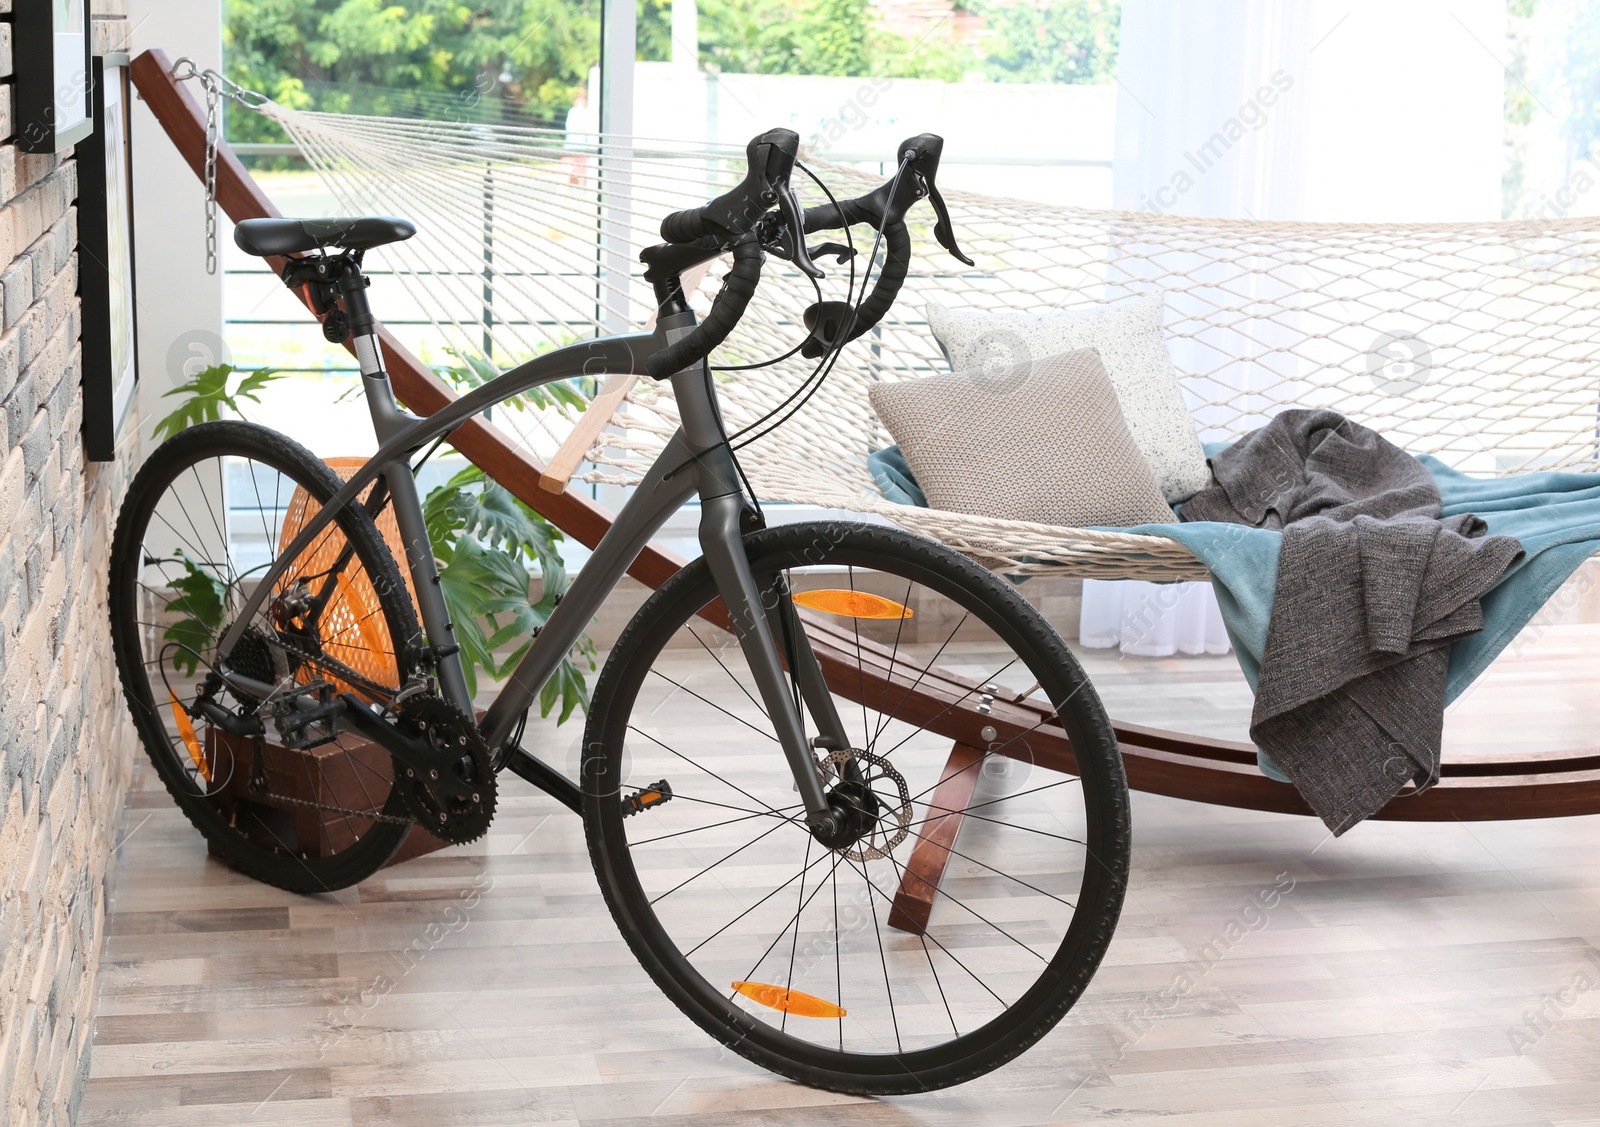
point(65, 742)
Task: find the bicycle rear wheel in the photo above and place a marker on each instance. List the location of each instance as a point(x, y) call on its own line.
point(977, 747)
point(303, 808)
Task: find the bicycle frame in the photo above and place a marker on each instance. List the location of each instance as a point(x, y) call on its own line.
point(696, 461)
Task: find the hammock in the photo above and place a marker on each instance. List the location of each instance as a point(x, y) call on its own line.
point(1256, 326)
point(1479, 343)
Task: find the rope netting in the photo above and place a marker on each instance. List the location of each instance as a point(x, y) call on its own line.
point(1476, 342)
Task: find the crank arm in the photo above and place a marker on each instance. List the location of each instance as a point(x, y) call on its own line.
point(413, 755)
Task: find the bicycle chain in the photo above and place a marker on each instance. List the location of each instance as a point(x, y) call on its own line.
point(333, 665)
point(370, 815)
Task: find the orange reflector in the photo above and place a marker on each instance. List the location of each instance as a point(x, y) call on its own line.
point(852, 604)
point(789, 1001)
point(191, 741)
point(369, 630)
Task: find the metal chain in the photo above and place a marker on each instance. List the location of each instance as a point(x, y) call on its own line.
point(347, 674)
point(335, 666)
point(217, 86)
point(211, 178)
point(370, 815)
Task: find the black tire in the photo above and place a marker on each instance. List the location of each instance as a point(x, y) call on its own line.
point(258, 839)
point(757, 1034)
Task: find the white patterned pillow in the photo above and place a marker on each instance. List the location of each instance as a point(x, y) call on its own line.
point(1128, 337)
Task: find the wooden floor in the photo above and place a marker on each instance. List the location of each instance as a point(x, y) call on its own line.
point(1407, 974)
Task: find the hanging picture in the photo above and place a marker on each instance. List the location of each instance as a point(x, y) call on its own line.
point(50, 46)
point(105, 265)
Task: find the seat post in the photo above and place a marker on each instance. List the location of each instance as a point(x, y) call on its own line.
point(387, 418)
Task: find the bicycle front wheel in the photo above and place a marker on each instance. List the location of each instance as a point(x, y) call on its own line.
point(986, 871)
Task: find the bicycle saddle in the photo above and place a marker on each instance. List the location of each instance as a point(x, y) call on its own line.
point(266, 237)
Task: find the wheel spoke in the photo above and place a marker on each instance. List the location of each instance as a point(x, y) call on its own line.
point(737, 683)
point(923, 672)
point(954, 852)
point(759, 837)
point(888, 679)
point(967, 812)
point(800, 875)
point(715, 705)
point(702, 767)
point(322, 802)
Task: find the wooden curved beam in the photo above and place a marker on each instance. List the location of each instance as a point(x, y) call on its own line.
point(1219, 772)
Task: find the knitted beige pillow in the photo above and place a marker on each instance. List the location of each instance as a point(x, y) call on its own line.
point(1044, 441)
point(1132, 346)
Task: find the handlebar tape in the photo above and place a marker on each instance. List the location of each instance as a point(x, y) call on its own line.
point(687, 226)
point(846, 213)
point(737, 289)
point(896, 263)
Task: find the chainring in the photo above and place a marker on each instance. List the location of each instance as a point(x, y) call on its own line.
point(454, 797)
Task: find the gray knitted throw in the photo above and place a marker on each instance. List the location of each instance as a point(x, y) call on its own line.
point(1372, 589)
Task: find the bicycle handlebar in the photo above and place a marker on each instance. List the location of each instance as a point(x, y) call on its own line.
point(732, 300)
point(769, 164)
point(743, 221)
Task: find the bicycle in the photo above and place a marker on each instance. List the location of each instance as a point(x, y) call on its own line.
point(303, 699)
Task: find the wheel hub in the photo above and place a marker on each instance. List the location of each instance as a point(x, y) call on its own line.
point(871, 806)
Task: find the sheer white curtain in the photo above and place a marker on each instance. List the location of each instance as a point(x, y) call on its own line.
point(1208, 123)
point(1326, 110)
point(1151, 619)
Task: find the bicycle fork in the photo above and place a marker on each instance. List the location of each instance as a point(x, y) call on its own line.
point(769, 634)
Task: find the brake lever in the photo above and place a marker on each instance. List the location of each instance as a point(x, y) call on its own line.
point(841, 253)
point(795, 224)
point(923, 151)
point(943, 229)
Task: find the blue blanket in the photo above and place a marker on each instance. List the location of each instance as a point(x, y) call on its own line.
point(1555, 515)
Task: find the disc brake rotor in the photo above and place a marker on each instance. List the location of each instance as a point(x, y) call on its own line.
point(893, 813)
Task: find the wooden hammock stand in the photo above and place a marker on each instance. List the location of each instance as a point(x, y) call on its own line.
point(1220, 772)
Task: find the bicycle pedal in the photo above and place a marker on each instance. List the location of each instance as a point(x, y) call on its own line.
point(653, 795)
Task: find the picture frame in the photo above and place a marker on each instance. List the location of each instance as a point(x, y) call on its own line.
point(105, 263)
point(51, 44)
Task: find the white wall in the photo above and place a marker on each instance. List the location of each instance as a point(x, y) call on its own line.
point(1366, 111)
point(180, 305)
point(857, 120)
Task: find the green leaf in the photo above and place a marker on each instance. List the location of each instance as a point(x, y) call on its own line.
point(475, 579)
point(207, 394)
point(194, 642)
point(567, 685)
point(200, 602)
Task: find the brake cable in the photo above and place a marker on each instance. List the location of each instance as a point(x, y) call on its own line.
point(824, 368)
